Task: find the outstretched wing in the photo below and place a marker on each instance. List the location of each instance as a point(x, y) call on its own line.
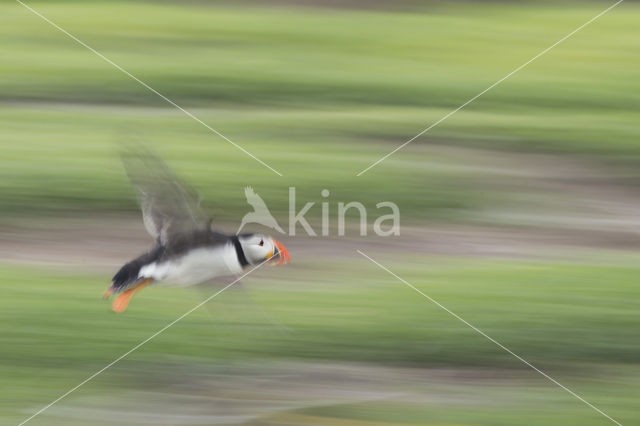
point(168, 206)
point(255, 200)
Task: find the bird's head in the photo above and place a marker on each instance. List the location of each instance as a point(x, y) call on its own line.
point(259, 248)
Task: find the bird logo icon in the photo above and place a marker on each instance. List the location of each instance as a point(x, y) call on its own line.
point(260, 214)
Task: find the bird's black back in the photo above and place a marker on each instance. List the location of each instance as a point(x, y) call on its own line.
point(176, 247)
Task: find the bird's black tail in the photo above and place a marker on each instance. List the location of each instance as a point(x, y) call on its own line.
point(129, 273)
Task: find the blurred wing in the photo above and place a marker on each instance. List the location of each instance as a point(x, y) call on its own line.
point(255, 200)
point(168, 205)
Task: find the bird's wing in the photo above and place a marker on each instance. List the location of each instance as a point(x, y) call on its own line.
point(255, 200)
point(168, 206)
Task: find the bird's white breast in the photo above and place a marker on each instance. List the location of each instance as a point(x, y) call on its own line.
point(195, 266)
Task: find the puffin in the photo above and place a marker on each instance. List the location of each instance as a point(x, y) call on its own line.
point(187, 249)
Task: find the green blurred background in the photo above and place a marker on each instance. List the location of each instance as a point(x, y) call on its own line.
point(518, 212)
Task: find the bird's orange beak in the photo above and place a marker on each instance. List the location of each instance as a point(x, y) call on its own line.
point(281, 256)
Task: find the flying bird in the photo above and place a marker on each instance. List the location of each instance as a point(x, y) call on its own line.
point(260, 213)
point(187, 250)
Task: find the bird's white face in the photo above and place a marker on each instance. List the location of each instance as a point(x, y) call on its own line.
point(258, 248)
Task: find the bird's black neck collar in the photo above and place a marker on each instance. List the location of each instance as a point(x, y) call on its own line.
point(239, 252)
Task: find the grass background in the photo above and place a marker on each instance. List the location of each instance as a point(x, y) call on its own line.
point(319, 93)
point(569, 324)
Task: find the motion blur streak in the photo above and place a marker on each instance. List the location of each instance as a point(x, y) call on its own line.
point(490, 87)
point(149, 87)
point(521, 213)
point(490, 338)
point(141, 343)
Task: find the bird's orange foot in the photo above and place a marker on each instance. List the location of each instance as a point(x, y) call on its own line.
point(108, 292)
point(122, 301)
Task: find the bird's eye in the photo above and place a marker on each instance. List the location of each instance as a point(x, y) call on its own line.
point(261, 243)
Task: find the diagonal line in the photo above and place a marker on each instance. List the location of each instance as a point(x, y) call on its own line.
point(140, 344)
point(493, 340)
point(490, 87)
point(148, 87)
